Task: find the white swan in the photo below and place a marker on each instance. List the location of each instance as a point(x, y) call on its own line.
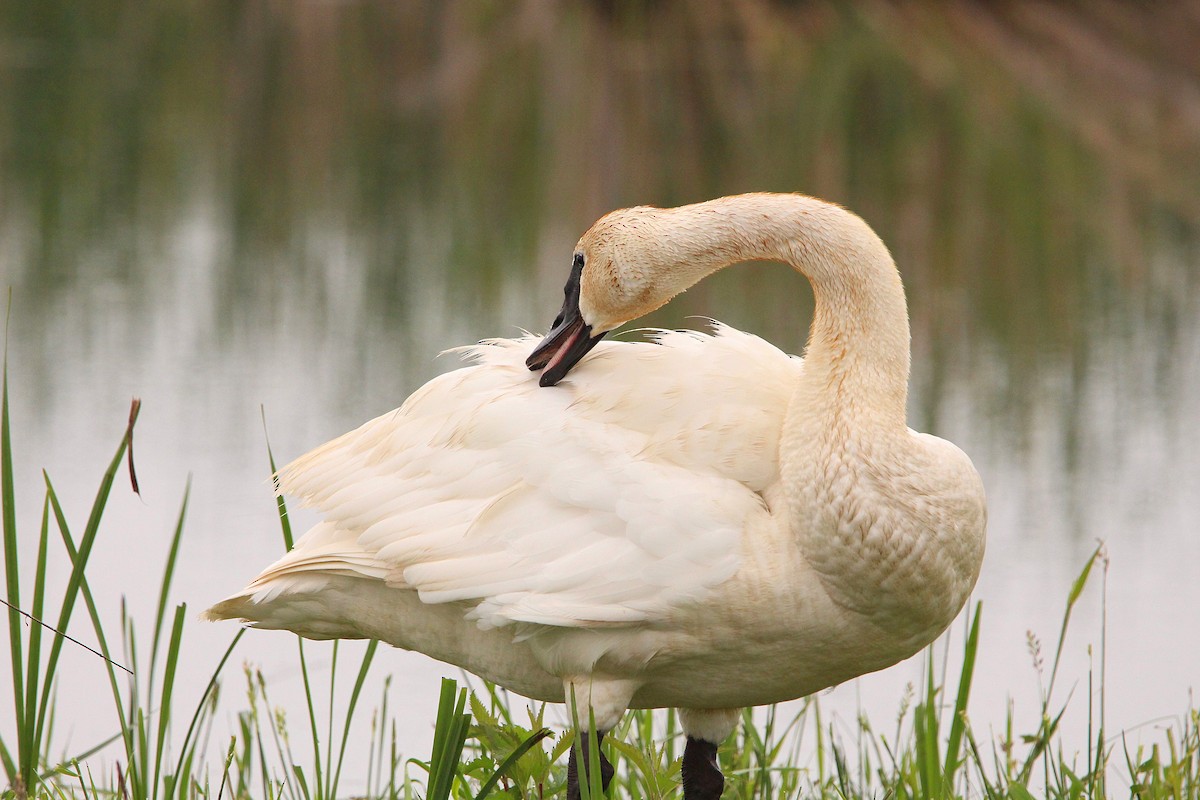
point(701, 522)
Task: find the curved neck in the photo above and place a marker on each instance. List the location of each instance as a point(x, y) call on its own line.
point(857, 359)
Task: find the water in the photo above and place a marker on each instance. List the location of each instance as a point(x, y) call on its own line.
point(295, 208)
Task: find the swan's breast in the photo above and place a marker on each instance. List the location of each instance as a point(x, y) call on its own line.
point(895, 530)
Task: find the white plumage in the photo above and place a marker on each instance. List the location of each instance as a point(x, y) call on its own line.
point(699, 520)
point(453, 494)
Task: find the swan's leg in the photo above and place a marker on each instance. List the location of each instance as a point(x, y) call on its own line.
point(606, 769)
point(705, 729)
point(702, 778)
point(594, 701)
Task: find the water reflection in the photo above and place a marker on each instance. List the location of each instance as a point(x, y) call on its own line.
point(214, 206)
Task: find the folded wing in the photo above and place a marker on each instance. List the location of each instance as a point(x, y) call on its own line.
point(612, 499)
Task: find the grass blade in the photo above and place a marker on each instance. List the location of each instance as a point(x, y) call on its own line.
point(165, 585)
point(77, 584)
point(29, 757)
point(12, 584)
point(134, 408)
point(449, 737)
point(280, 503)
point(595, 777)
point(312, 717)
point(164, 704)
point(10, 766)
point(368, 657)
point(328, 789)
point(1076, 590)
point(958, 723)
point(926, 720)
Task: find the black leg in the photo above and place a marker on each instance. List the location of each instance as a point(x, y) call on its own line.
point(702, 778)
point(606, 769)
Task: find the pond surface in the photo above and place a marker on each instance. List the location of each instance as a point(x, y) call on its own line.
point(291, 209)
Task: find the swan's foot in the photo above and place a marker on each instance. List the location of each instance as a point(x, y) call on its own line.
point(702, 778)
point(606, 769)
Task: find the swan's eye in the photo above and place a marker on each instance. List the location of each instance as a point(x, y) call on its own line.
point(578, 262)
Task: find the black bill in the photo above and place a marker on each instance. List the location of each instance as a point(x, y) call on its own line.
point(568, 341)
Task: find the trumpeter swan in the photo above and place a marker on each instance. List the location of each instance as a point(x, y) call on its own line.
point(700, 521)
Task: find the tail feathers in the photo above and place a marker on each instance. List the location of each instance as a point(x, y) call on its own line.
point(303, 612)
point(294, 592)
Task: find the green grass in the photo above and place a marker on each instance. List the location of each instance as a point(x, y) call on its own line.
point(485, 744)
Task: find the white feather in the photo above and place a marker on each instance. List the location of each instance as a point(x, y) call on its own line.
point(484, 488)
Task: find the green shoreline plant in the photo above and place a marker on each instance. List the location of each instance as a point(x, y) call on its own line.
point(479, 749)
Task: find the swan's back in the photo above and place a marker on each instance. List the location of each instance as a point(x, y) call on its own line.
point(615, 499)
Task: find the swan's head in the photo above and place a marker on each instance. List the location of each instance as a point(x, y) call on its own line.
point(616, 276)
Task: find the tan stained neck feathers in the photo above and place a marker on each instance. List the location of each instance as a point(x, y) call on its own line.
point(858, 351)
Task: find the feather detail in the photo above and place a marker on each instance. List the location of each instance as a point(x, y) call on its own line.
point(563, 507)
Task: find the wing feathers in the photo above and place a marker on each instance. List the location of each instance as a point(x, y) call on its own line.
point(615, 498)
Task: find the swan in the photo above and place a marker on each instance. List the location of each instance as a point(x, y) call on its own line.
point(699, 521)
